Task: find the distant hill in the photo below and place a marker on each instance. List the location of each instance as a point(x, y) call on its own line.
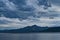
point(28, 29)
point(53, 29)
point(32, 29)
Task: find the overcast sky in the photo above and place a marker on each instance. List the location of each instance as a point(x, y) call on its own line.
point(43, 21)
point(56, 2)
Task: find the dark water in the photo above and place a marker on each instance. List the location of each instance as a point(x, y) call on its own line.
point(31, 36)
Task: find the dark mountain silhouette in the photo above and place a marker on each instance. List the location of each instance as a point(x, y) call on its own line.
point(28, 29)
point(53, 29)
point(32, 29)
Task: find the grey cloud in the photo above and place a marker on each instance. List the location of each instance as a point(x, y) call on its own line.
point(9, 5)
point(42, 21)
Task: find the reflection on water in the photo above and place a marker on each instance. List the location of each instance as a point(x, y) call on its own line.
point(31, 36)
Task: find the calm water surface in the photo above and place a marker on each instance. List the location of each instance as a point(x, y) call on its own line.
point(31, 36)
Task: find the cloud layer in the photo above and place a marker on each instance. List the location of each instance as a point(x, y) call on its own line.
point(43, 22)
point(51, 16)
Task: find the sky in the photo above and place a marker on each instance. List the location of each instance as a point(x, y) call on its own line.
point(56, 2)
point(43, 21)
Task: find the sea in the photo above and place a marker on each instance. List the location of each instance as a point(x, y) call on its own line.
point(29, 36)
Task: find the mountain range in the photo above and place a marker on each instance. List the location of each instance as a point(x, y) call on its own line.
point(33, 29)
